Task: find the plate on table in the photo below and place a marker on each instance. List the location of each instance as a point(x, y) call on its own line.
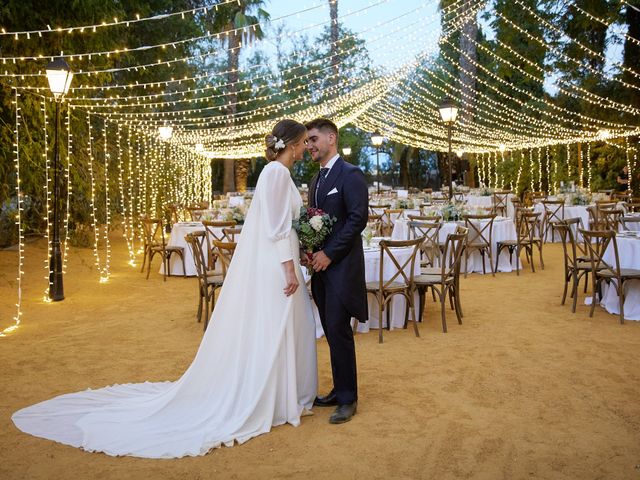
point(628, 234)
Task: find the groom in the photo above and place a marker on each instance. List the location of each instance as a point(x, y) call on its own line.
point(338, 286)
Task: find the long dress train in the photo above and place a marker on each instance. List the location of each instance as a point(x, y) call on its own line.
point(255, 367)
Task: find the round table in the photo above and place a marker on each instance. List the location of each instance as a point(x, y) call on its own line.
point(629, 256)
point(503, 229)
point(178, 232)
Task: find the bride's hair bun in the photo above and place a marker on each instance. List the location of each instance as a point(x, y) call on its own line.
point(285, 132)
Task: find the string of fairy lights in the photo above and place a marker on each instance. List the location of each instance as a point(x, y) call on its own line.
point(134, 172)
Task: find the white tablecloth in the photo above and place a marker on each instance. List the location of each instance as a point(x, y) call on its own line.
point(503, 229)
point(487, 201)
point(629, 255)
point(178, 232)
point(570, 211)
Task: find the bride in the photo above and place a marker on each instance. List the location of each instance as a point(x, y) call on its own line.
point(256, 365)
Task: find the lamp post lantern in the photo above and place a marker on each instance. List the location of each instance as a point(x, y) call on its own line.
point(346, 151)
point(59, 76)
point(376, 141)
point(448, 113)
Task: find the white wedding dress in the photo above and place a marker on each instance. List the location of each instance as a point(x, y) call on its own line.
point(255, 368)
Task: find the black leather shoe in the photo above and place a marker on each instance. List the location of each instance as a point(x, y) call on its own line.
point(343, 413)
point(329, 400)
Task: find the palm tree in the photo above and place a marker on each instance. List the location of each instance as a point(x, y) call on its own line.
point(241, 20)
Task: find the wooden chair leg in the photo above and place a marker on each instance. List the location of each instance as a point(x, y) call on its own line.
point(443, 299)
point(199, 314)
point(380, 324)
point(574, 287)
point(149, 265)
point(413, 314)
point(593, 299)
point(567, 277)
point(456, 302)
point(621, 301)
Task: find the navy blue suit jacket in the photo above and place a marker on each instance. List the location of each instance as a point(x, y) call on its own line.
point(350, 205)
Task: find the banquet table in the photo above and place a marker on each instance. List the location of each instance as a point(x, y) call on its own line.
point(503, 229)
point(629, 255)
point(178, 232)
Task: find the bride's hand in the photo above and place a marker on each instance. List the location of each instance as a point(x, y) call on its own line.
point(291, 278)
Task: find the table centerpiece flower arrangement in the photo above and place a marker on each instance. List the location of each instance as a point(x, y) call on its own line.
point(453, 211)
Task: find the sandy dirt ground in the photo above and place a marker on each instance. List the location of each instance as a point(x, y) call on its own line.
point(523, 389)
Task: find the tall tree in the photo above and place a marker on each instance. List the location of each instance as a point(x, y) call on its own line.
point(241, 20)
point(335, 59)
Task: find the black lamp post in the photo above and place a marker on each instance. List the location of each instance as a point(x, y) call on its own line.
point(448, 114)
point(376, 141)
point(59, 76)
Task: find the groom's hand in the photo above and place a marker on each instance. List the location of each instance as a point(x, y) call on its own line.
point(320, 261)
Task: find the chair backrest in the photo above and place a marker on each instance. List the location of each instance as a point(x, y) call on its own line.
point(632, 206)
point(528, 225)
point(605, 204)
point(195, 213)
point(400, 275)
point(389, 215)
point(424, 218)
point(499, 201)
point(567, 230)
point(197, 243)
point(611, 218)
point(538, 196)
point(452, 253)
point(480, 228)
point(230, 234)
point(430, 231)
point(597, 243)
point(378, 209)
point(374, 222)
point(215, 232)
point(171, 213)
point(225, 251)
point(458, 197)
point(150, 228)
point(554, 210)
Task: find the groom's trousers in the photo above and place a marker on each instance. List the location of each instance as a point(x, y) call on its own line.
point(336, 323)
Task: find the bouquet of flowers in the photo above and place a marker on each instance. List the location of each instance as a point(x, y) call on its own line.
point(313, 226)
point(581, 197)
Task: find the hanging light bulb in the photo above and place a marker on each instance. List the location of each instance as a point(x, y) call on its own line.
point(165, 132)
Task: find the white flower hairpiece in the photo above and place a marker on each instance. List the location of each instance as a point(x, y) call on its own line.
point(279, 144)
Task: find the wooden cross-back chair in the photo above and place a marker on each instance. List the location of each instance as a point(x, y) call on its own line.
point(225, 251)
point(499, 202)
point(388, 220)
point(445, 280)
point(480, 239)
point(611, 218)
point(151, 227)
point(597, 243)
point(374, 222)
point(528, 231)
point(231, 234)
point(400, 283)
point(553, 213)
point(576, 266)
point(208, 281)
point(430, 253)
point(215, 232)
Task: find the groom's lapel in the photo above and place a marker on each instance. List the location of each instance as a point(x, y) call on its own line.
point(331, 180)
point(312, 191)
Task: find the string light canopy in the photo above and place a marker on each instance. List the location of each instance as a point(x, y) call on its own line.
point(59, 75)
